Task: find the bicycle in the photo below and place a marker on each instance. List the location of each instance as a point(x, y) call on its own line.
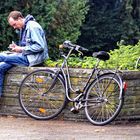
point(137, 66)
point(44, 93)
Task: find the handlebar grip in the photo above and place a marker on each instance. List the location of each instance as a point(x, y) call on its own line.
point(68, 44)
point(61, 46)
point(83, 49)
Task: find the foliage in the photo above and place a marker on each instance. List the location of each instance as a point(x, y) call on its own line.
point(6, 33)
point(67, 22)
point(100, 26)
point(74, 62)
point(123, 58)
point(109, 21)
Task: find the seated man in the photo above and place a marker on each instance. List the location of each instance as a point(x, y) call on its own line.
point(32, 48)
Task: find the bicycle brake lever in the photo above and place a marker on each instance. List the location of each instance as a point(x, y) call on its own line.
point(77, 49)
point(80, 52)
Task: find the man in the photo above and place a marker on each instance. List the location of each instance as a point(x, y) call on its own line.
point(32, 48)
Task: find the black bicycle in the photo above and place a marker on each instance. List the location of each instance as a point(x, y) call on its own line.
point(44, 93)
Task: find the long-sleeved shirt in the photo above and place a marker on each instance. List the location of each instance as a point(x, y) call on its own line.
point(33, 41)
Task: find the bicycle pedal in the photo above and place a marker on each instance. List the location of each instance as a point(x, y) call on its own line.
point(74, 110)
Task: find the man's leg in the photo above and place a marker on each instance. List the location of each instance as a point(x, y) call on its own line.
point(3, 68)
point(7, 62)
point(14, 59)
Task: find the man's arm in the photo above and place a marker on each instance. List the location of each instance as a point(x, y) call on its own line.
point(14, 48)
point(37, 41)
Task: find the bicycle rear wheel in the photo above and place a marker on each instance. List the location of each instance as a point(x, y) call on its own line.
point(38, 99)
point(104, 99)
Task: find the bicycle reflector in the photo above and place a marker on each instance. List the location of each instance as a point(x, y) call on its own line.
point(39, 80)
point(124, 86)
point(42, 110)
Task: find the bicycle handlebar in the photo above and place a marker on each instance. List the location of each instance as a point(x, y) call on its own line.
point(69, 45)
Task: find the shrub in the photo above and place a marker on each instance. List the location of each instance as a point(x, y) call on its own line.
point(123, 58)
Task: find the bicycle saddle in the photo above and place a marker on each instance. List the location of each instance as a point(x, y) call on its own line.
point(102, 55)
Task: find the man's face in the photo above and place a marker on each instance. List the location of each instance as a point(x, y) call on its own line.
point(16, 24)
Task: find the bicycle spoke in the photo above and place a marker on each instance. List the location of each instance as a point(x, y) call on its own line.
point(108, 104)
point(34, 102)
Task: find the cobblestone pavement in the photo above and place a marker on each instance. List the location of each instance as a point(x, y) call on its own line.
point(28, 129)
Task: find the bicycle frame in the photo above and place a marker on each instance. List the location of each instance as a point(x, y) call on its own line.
point(66, 77)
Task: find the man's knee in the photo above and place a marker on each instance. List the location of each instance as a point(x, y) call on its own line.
point(4, 67)
point(2, 57)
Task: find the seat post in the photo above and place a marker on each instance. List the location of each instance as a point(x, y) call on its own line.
point(97, 63)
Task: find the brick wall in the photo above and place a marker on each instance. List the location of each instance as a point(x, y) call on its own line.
point(9, 104)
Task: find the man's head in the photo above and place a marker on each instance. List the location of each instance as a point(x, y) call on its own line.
point(16, 19)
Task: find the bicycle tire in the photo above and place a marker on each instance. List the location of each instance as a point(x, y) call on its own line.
point(104, 99)
point(33, 99)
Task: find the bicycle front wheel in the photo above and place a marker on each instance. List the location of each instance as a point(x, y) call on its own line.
point(39, 98)
point(104, 99)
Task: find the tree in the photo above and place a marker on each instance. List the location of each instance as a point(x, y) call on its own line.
point(6, 33)
point(67, 21)
point(101, 30)
point(110, 21)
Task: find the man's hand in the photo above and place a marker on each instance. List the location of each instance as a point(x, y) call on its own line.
point(15, 48)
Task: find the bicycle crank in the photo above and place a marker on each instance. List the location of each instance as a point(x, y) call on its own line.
point(76, 107)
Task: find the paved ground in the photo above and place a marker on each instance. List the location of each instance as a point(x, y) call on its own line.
point(29, 129)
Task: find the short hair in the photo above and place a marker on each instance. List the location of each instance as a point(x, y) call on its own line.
point(15, 15)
